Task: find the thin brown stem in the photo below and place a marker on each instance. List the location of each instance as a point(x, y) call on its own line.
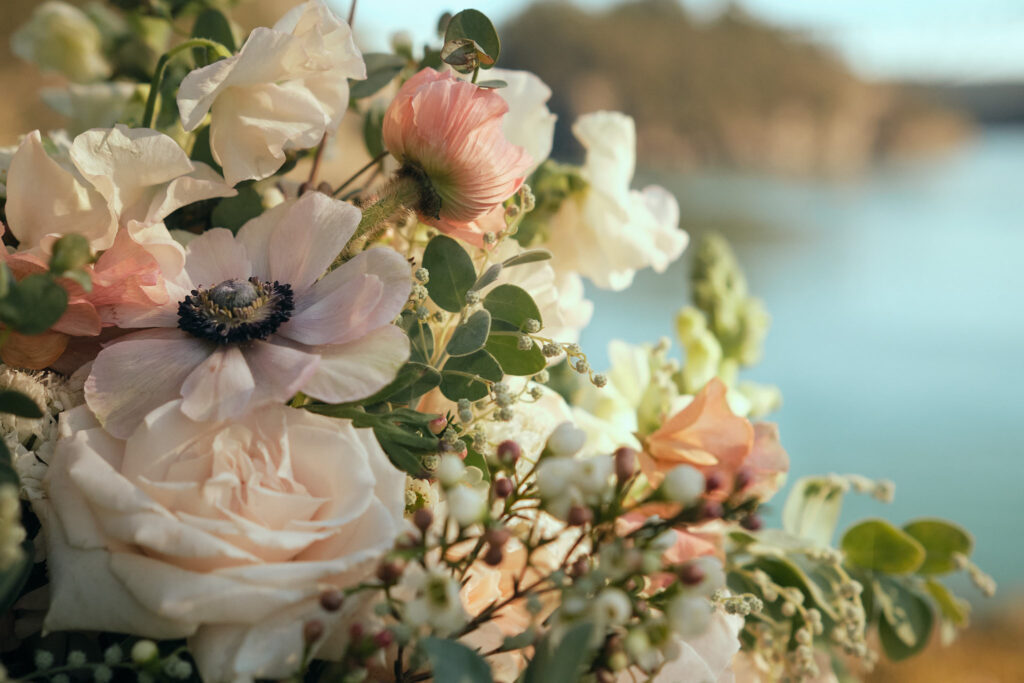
point(351, 13)
point(376, 160)
point(313, 172)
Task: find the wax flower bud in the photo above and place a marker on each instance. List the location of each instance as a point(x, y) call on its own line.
point(684, 485)
point(566, 440)
point(449, 470)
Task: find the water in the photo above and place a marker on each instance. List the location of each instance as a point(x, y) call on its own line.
point(898, 327)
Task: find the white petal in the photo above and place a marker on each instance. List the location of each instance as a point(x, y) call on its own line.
point(361, 295)
point(202, 183)
point(139, 372)
point(44, 199)
point(216, 256)
point(309, 236)
point(529, 123)
point(279, 371)
point(355, 370)
point(255, 235)
point(221, 387)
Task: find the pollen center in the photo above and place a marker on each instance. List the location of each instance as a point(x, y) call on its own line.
point(236, 311)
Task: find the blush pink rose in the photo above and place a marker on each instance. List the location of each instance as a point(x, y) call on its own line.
point(222, 533)
point(450, 131)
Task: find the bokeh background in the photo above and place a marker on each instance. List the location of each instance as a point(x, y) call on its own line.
point(866, 160)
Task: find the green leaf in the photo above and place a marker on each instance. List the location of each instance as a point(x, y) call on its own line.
point(492, 84)
point(906, 620)
point(373, 129)
point(562, 662)
point(453, 662)
point(463, 376)
point(212, 24)
point(510, 304)
point(381, 69)
point(952, 607)
point(812, 509)
point(489, 276)
point(941, 540)
point(471, 335)
point(17, 403)
point(513, 360)
point(474, 25)
point(421, 338)
point(234, 212)
point(528, 256)
point(33, 305)
point(413, 380)
point(70, 252)
point(875, 544)
point(451, 273)
point(786, 572)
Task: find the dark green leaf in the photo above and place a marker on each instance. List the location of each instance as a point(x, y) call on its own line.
point(421, 338)
point(492, 84)
point(8, 475)
point(475, 458)
point(381, 69)
point(952, 607)
point(528, 256)
point(941, 540)
point(513, 360)
point(213, 25)
point(33, 305)
point(562, 662)
point(431, 58)
point(453, 662)
point(70, 252)
point(511, 304)
point(234, 212)
point(474, 25)
point(17, 403)
point(463, 376)
point(413, 380)
point(906, 620)
point(785, 572)
point(876, 544)
point(471, 335)
point(373, 129)
point(451, 273)
point(489, 276)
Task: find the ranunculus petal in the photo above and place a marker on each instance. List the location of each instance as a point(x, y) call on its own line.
point(355, 370)
point(139, 372)
point(215, 256)
point(221, 387)
point(361, 295)
point(308, 238)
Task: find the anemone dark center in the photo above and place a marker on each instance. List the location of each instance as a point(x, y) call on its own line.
point(236, 311)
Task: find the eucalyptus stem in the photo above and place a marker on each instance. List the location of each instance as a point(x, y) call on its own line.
point(149, 117)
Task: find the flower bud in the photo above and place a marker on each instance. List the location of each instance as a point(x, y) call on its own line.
point(423, 518)
point(450, 470)
point(467, 505)
point(312, 630)
point(751, 522)
point(509, 452)
point(502, 487)
point(579, 515)
point(683, 484)
point(331, 600)
point(60, 37)
point(613, 606)
point(437, 425)
point(566, 439)
point(383, 639)
point(625, 463)
point(144, 651)
point(389, 572)
point(494, 556)
point(497, 536)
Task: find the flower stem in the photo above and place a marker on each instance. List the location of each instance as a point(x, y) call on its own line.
point(399, 196)
point(149, 116)
point(376, 160)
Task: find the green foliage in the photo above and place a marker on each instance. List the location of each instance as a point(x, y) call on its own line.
point(213, 25)
point(951, 607)
point(70, 253)
point(373, 129)
point(504, 346)
point(471, 335)
point(469, 376)
point(33, 305)
point(403, 433)
point(412, 381)
point(453, 662)
point(234, 212)
point(877, 545)
point(421, 337)
point(941, 540)
point(381, 69)
point(17, 403)
point(527, 256)
point(14, 576)
point(561, 661)
point(510, 304)
point(470, 42)
point(451, 273)
point(906, 620)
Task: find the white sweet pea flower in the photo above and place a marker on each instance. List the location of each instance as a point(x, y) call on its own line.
point(96, 105)
point(61, 37)
point(285, 89)
point(608, 232)
point(529, 123)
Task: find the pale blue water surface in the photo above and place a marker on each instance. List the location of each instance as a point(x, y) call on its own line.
point(898, 327)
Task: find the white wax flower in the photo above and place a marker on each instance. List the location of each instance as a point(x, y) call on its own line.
point(608, 232)
point(61, 37)
point(285, 89)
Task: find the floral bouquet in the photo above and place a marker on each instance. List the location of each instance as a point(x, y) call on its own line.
point(262, 423)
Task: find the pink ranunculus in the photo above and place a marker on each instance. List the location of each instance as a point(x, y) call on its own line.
point(224, 533)
point(450, 131)
point(706, 434)
point(253, 319)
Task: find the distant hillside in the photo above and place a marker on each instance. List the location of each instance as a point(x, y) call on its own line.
point(733, 93)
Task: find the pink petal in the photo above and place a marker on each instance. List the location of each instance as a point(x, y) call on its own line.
point(216, 256)
point(361, 295)
point(359, 368)
point(220, 388)
point(138, 373)
point(279, 371)
point(309, 237)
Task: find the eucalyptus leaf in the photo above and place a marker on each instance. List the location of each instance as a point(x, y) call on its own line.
point(464, 376)
point(34, 304)
point(875, 544)
point(453, 662)
point(906, 621)
point(70, 252)
point(474, 25)
point(562, 661)
point(451, 273)
point(413, 380)
point(373, 129)
point(941, 540)
point(17, 403)
point(493, 84)
point(471, 335)
point(528, 256)
point(488, 277)
point(511, 304)
point(513, 360)
point(952, 607)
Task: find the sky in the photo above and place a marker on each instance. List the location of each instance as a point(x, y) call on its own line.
point(945, 40)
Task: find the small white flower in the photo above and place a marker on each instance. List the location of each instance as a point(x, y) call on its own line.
point(467, 505)
point(450, 470)
point(612, 606)
point(593, 474)
point(683, 484)
point(437, 604)
point(689, 615)
point(566, 439)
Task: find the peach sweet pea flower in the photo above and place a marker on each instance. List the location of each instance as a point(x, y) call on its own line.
point(224, 533)
point(709, 436)
point(450, 132)
point(251, 321)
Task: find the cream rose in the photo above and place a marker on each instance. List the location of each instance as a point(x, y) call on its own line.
point(224, 533)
